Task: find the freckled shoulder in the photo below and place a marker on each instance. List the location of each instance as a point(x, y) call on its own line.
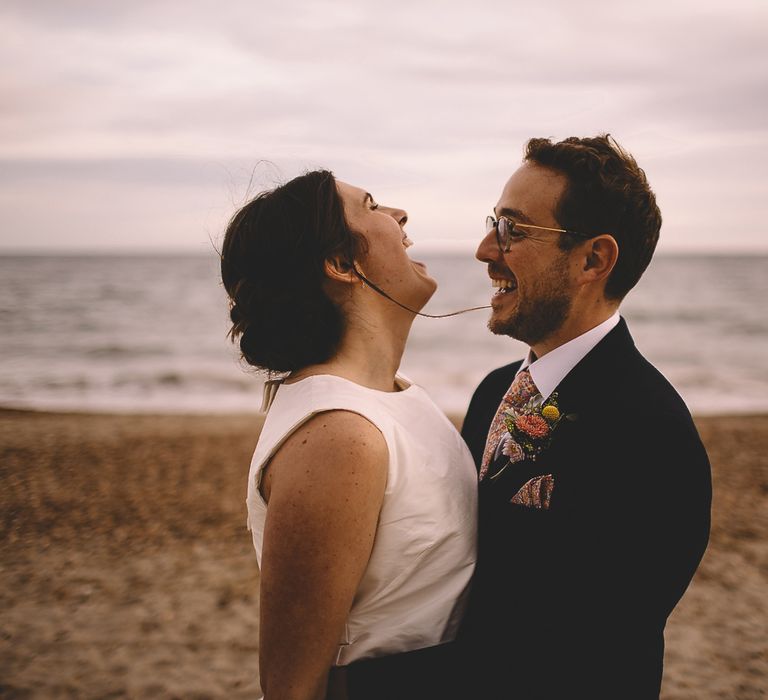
point(333, 447)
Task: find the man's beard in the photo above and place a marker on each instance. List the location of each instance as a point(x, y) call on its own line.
point(543, 310)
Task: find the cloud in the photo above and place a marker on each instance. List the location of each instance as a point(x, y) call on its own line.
point(429, 101)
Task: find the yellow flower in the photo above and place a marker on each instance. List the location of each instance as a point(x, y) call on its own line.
point(550, 413)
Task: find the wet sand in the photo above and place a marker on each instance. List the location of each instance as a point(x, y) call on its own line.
point(126, 569)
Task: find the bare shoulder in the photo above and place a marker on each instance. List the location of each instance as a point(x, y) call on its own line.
point(333, 448)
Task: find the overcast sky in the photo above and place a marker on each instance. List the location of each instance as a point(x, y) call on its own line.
point(139, 125)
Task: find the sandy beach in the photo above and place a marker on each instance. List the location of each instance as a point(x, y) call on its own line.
point(126, 570)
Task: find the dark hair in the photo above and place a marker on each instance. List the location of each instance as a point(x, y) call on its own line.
point(607, 192)
point(272, 267)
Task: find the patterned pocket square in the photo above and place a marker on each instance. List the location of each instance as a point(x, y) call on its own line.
point(535, 493)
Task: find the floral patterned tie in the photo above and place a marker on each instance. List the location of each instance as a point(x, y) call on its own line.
point(522, 390)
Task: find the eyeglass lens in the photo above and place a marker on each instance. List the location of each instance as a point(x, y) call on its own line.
point(502, 227)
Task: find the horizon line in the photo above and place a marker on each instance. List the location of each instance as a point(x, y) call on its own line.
point(449, 250)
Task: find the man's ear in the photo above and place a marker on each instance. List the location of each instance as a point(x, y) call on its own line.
point(600, 256)
point(339, 269)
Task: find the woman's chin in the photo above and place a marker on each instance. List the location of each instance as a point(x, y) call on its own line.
point(429, 292)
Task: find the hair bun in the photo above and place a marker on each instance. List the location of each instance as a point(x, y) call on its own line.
point(283, 340)
point(285, 320)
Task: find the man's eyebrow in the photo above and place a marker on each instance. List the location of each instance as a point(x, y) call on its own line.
point(512, 214)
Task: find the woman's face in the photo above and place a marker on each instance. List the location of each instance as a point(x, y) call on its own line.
point(387, 264)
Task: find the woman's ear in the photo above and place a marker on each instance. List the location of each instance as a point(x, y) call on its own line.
point(339, 269)
point(600, 256)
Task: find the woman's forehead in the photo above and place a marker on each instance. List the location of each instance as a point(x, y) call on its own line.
point(355, 194)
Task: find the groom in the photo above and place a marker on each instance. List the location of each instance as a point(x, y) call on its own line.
point(594, 485)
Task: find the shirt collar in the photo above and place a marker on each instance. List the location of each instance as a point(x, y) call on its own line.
point(548, 371)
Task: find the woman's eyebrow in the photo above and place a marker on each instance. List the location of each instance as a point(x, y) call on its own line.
point(368, 197)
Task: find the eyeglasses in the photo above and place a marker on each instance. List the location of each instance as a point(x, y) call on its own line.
point(508, 231)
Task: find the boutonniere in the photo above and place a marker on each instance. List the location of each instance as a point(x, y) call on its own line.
point(530, 429)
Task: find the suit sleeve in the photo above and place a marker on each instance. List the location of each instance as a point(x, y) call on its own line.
point(634, 548)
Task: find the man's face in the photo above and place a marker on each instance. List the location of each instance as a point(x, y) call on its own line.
point(535, 295)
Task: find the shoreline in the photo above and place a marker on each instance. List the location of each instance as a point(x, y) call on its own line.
point(454, 416)
point(126, 568)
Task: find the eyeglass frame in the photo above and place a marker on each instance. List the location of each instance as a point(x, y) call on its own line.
point(493, 223)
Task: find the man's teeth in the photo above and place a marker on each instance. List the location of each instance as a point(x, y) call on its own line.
point(502, 284)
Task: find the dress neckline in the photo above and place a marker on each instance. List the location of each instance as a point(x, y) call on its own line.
point(404, 384)
point(272, 385)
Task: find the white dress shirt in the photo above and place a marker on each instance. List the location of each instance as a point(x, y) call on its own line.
point(548, 371)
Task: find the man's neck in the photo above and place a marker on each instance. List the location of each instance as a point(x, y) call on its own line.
point(574, 326)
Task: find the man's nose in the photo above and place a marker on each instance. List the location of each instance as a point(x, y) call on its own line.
point(488, 250)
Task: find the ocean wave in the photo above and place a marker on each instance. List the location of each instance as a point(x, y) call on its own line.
point(117, 352)
point(136, 335)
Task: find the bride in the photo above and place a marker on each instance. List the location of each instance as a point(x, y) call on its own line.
point(361, 494)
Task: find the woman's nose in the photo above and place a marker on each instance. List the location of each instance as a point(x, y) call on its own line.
point(399, 215)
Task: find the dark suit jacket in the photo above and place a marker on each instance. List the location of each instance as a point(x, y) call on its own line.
point(571, 601)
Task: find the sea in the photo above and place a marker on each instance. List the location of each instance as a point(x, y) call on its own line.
point(148, 333)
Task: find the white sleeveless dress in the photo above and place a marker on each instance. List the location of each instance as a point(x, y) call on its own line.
point(414, 588)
